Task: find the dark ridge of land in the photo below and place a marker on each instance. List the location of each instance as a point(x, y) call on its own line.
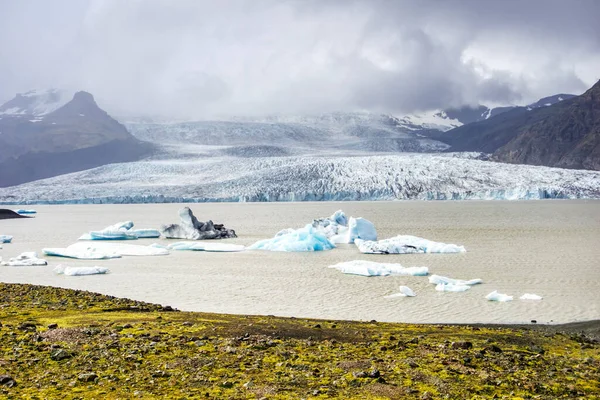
point(61, 343)
point(10, 214)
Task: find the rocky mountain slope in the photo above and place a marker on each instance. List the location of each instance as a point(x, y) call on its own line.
point(566, 134)
point(40, 137)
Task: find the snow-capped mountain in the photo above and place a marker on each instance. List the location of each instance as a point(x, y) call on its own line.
point(36, 102)
point(303, 178)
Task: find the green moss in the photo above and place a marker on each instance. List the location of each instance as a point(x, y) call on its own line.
point(142, 350)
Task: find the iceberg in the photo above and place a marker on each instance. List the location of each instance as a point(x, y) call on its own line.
point(304, 239)
point(495, 296)
point(339, 229)
point(22, 211)
point(26, 259)
point(405, 291)
point(406, 244)
point(192, 229)
point(200, 246)
point(437, 279)
point(451, 287)
point(370, 268)
point(5, 238)
point(79, 271)
point(530, 296)
point(103, 250)
point(120, 231)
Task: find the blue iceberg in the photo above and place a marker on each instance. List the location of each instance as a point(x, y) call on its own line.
point(22, 211)
point(5, 238)
point(304, 239)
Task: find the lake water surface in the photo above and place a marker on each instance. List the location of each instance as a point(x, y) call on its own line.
point(550, 248)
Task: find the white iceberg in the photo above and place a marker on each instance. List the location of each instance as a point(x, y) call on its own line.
point(192, 229)
point(495, 296)
point(339, 229)
point(437, 279)
point(405, 291)
point(22, 211)
point(304, 239)
point(104, 250)
point(451, 287)
point(370, 268)
point(5, 238)
point(202, 246)
point(25, 260)
point(120, 231)
point(80, 271)
point(406, 244)
point(530, 296)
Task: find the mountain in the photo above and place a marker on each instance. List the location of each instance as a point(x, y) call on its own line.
point(565, 134)
point(41, 137)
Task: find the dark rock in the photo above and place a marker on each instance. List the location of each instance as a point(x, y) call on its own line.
point(462, 345)
point(27, 326)
point(127, 326)
point(537, 349)
point(192, 229)
point(533, 321)
point(52, 326)
point(374, 373)
point(317, 326)
point(7, 380)
point(87, 377)
point(493, 348)
point(411, 363)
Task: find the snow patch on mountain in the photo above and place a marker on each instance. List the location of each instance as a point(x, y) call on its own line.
point(36, 102)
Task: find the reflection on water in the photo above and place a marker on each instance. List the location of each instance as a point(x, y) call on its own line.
point(550, 248)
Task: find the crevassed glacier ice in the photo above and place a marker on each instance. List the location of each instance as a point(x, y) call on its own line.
point(405, 291)
point(371, 268)
point(303, 239)
point(79, 271)
point(5, 238)
point(26, 259)
point(103, 250)
point(530, 296)
point(406, 244)
point(495, 296)
point(201, 246)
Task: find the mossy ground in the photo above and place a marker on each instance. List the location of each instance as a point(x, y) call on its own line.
point(109, 348)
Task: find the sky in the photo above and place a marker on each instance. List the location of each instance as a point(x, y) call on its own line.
point(205, 59)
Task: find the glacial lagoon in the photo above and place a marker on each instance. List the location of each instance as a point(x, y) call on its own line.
point(550, 248)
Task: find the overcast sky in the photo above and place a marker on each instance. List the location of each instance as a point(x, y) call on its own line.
point(201, 59)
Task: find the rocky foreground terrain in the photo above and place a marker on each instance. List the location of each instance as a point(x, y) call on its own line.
point(59, 343)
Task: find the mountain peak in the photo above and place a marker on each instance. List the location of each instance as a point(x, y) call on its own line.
point(35, 102)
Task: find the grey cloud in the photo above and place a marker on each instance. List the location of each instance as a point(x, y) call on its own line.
point(201, 59)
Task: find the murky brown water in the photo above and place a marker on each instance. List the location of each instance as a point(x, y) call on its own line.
point(551, 248)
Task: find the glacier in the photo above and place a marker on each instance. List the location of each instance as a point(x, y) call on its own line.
point(371, 268)
point(304, 239)
point(320, 177)
point(79, 271)
point(406, 244)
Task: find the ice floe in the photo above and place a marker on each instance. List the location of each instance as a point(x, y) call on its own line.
point(26, 259)
point(530, 296)
point(5, 238)
point(406, 244)
point(192, 229)
point(451, 287)
point(495, 296)
point(201, 246)
point(304, 239)
point(405, 291)
point(23, 211)
point(437, 279)
point(104, 250)
point(339, 229)
point(120, 231)
point(370, 268)
point(79, 271)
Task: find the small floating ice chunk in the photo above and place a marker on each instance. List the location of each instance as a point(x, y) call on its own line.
point(23, 211)
point(5, 238)
point(79, 271)
point(370, 268)
point(530, 296)
point(406, 244)
point(26, 259)
point(495, 296)
point(146, 233)
point(304, 239)
point(200, 246)
point(451, 287)
point(103, 250)
point(405, 291)
point(437, 279)
point(120, 231)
